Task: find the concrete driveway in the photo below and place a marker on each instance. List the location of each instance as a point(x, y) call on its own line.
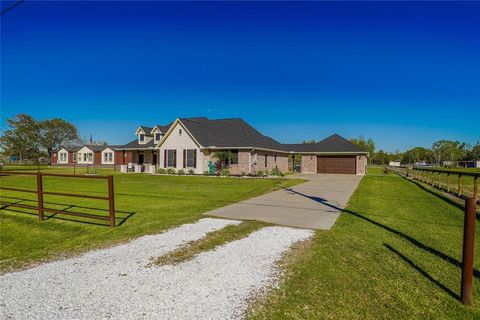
point(315, 204)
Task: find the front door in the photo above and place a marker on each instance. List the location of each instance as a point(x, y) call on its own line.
point(141, 158)
point(154, 158)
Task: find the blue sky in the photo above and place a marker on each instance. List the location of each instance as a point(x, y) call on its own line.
point(405, 74)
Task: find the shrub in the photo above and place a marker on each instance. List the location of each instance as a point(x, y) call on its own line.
point(171, 171)
point(191, 172)
point(206, 173)
point(181, 172)
point(225, 172)
point(276, 172)
point(259, 173)
point(161, 171)
point(243, 173)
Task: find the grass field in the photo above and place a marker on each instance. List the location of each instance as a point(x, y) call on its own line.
point(145, 204)
point(394, 253)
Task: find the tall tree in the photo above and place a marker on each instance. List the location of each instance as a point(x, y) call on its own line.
point(366, 144)
point(418, 154)
point(474, 152)
point(446, 150)
point(22, 138)
point(56, 133)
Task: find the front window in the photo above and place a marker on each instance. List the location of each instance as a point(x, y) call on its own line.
point(266, 162)
point(63, 157)
point(180, 132)
point(191, 155)
point(108, 157)
point(234, 157)
point(85, 157)
point(171, 155)
point(141, 137)
point(75, 157)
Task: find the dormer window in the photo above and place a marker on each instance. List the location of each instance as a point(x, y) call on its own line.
point(141, 137)
point(158, 136)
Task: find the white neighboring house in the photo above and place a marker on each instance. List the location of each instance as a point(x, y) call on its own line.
point(477, 164)
point(108, 156)
point(85, 156)
point(394, 163)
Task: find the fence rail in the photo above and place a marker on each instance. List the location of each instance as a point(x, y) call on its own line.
point(40, 193)
point(434, 177)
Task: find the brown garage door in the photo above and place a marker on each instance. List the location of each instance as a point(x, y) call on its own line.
point(336, 164)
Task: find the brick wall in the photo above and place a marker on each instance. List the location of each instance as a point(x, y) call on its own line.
point(309, 164)
point(361, 165)
point(281, 161)
point(97, 157)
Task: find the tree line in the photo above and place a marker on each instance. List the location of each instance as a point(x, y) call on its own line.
point(30, 139)
point(442, 152)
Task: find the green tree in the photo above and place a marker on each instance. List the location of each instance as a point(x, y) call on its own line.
point(366, 144)
point(474, 152)
point(381, 157)
point(56, 133)
point(417, 154)
point(446, 150)
point(22, 138)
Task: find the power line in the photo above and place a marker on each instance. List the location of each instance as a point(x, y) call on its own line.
point(11, 7)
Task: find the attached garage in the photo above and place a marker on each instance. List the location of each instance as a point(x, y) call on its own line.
point(336, 164)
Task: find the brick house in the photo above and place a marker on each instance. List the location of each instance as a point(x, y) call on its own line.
point(191, 143)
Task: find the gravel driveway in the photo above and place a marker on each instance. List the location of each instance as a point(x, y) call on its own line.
point(116, 283)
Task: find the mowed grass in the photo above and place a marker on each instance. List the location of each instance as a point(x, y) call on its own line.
point(394, 253)
point(211, 241)
point(145, 204)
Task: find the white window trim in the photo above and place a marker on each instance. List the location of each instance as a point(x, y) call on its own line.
point(63, 157)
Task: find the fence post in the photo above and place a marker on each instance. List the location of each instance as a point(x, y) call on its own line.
point(439, 182)
point(475, 187)
point(40, 196)
point(111, 201)
point(459, 185)
point(468, 243)
point(448, 182)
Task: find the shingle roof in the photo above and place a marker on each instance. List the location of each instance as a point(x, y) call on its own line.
point(164, 128)
point(135, 145)
point(95, 148)
point(334, 143)
point(234, 133)
point(147, 130)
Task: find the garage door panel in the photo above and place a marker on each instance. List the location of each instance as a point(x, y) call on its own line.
point(336, 164)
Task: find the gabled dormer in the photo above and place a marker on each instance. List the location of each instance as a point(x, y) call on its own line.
point(157, 134)
point(144, 135)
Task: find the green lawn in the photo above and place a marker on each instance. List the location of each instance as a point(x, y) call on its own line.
point(394, 253)
point(145, 204)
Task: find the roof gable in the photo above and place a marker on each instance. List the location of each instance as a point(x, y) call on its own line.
point(333, 143)
point(228, 133)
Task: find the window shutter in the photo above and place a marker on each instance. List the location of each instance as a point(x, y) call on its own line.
point(195, 158)
point(174, 158)
point(165, 158)
point(184, 158)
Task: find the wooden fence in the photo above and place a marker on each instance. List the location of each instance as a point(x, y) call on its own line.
point(442, 179)
point(40, 193)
